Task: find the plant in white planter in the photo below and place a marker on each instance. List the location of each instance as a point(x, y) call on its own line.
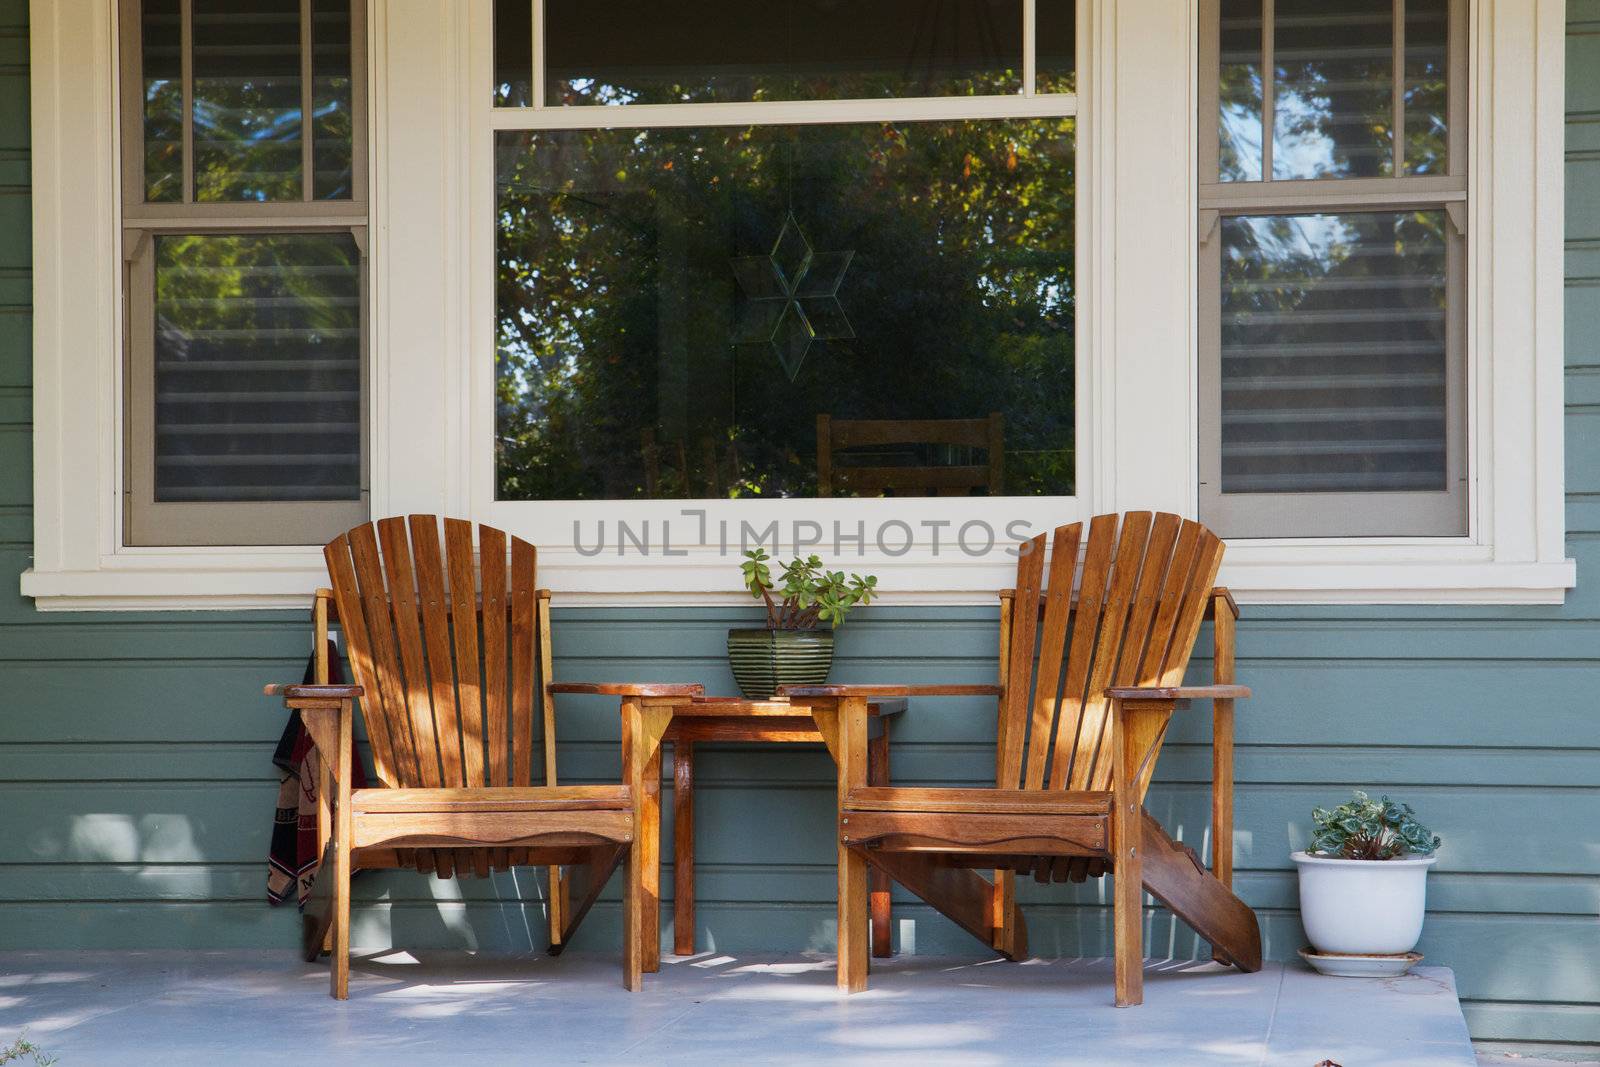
point(1363, 881)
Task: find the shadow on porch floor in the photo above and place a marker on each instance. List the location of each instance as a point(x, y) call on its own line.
point(176, 1009)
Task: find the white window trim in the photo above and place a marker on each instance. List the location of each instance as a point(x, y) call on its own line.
point(431, 132)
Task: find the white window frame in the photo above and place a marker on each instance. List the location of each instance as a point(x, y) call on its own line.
point(430, 129)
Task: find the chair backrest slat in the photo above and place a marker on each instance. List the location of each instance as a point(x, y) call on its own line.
point(352, 618)
point(385, 651)
point(1143, 587)
point(1189, 616)
point(1085, 633)
point(1024, 628)
point(436, 635)
point(1151, 554)
point(1052, 647)
point(448, 682)
point(464, 634)
point(492, 557)
point(524, 626)
point(545, 660)
point(1180, 574)
point(413, 660)
point(1096, 714)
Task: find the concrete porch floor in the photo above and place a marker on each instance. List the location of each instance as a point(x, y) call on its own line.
point(244, 1008)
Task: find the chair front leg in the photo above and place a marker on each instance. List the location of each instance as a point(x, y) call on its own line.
point(1138, 725)
point(325, 794)
point(853, 936)
point(342, 830)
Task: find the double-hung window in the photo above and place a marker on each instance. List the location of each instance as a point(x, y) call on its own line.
point(1332, 327)
point(244, 211)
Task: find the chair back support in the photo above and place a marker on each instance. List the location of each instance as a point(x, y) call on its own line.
point(969, 435)
point(450, 680)
point(1142, 592)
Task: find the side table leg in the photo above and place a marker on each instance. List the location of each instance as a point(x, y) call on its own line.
point(878, 774)
point(683, 848)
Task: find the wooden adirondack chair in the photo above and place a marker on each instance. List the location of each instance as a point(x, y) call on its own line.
point(1088, 685)
point(454, 681)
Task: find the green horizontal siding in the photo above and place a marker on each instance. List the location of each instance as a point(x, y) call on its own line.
point(136, 779)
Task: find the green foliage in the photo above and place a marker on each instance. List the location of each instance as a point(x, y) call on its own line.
point(1367, 829)
point(21, 1047)
point(807, 592)
point(617, 306)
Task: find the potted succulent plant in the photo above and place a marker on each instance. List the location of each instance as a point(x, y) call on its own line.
point(1363, 881)
point(794, 647)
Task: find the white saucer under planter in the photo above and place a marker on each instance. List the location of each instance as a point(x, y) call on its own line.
point(1341, 965)
point(1363, 907)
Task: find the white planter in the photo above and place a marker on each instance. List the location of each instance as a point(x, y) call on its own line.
point(1363, 907)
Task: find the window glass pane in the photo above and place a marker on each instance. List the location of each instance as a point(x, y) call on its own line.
point(1427, 95)
point(1055, 35)
point(513, 53)
point(678, 307)
point(1334, 360)
point(258, 367)
point(161, 40)
point(331, 100)
point(1334, 91)
point(247, 111)
point(1239, 123)
point(682, 51)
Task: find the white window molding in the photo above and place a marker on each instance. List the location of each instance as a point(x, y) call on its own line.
point(430, 128)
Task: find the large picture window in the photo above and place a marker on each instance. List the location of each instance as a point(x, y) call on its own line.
point(859, 280)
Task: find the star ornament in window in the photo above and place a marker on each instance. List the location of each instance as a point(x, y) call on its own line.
point(791, 297)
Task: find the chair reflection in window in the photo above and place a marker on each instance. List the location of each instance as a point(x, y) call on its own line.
point(667, 473)
point(910, 457)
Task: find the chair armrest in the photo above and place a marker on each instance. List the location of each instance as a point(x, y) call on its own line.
point(1179, 692)
point(296, 691)
point(868, 691)
point(629, 689)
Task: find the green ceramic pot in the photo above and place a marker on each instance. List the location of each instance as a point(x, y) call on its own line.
point(764, 659)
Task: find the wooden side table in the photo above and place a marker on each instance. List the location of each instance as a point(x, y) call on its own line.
point(773, 721)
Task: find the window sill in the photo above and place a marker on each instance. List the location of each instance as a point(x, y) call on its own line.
point(1256, 573)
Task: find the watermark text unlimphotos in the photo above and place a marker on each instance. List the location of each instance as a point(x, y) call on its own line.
point(894, 537)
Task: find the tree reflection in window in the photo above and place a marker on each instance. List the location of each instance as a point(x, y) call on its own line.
point(617, 310)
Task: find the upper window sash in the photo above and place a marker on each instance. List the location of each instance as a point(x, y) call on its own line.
point(1214, 191)
point(138, 208)
point(1050, 50)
